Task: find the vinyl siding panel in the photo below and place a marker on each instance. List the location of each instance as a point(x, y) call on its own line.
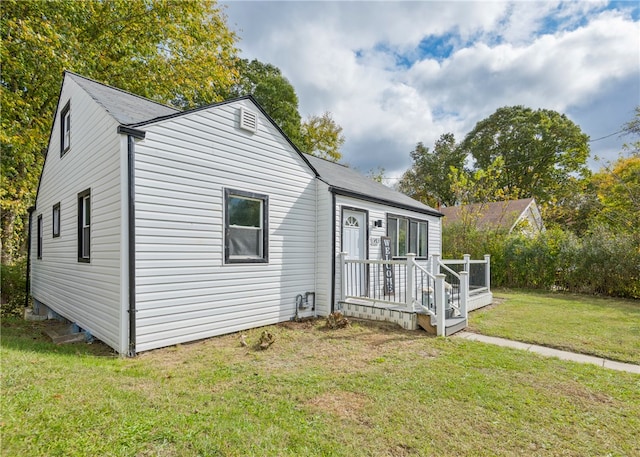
point(86, 293)
point(379, 211)
point(324, 254)
point(184, 290)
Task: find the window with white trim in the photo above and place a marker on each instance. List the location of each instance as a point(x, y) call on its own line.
point(84, 226)
point(56, 220)
point(408, 235)
point(65, 129)
point(246, 227)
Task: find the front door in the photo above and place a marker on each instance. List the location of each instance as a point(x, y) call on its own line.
point(354, 238)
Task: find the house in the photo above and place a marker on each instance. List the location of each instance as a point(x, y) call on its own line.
point(521, 215)
point(154, 227)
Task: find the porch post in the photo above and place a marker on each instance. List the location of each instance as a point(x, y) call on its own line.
point(343, 276)
point(464, 292)
point(410, 294)
point(436, 264)
point(467, 258)
point(487, 271)
point(441, 300)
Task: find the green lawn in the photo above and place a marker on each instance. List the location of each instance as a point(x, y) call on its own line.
point(368, 390)
point(604, 327)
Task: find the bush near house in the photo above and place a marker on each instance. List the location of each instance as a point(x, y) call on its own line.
point(13, 279)
point(600, 262)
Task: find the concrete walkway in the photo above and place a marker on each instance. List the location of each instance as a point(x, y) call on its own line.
point(550, 352)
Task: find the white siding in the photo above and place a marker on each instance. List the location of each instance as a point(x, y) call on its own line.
point(378, 211)
point(184, 291)
point(324, 252)
point(86, 293)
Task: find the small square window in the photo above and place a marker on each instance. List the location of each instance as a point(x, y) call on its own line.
point(56, 220)
point(65, 129)
point(246, 227)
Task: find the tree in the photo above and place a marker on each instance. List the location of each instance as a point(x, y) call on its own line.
point(321, 136)
point(542, 152)
point(618, 191)
point(633, 128)
point(274, 93)
point(376, 174)
point(430, 178)
point(173, 51)
point(478, 186)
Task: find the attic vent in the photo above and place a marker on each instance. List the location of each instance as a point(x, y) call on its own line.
point(248, 120)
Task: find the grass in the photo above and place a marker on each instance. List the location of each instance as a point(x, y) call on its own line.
point(371, 389)
point(604, 327)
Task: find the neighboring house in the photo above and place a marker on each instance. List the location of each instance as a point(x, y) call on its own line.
point(157, 227)
point(520, 215)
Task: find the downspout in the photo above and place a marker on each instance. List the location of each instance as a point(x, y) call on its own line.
point(132, 134)
point(28, 272)
point(333, 250)
point(131, 144)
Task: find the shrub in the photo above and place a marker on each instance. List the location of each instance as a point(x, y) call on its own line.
point(13, 279)
point(601, 262)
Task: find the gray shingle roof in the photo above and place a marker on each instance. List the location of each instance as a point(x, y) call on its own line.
point(342, 178)
point(130, 109)
point(126, 108)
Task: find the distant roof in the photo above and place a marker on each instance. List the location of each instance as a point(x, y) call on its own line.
point(347, 181)
point(495, 214)
point(125, 107)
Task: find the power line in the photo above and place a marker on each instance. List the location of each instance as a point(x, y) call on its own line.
point(606, 136)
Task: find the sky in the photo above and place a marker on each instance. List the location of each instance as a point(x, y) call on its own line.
point(395, 73)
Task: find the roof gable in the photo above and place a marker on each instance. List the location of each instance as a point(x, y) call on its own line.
point(348, 181)
point(503, 214)
point(124, 107)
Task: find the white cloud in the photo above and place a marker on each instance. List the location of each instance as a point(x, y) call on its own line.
point(343, 57)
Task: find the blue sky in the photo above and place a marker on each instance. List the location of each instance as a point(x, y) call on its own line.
point(395, 73)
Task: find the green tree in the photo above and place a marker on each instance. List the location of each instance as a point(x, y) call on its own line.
point(633, 128)
point(179, 52)
point(321, 136)
point(542, 150)
point(274, 93)
point(431, 176)
point(618, 191)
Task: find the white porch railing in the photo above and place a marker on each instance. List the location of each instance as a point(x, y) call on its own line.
point(440, 288)
point(479, 272)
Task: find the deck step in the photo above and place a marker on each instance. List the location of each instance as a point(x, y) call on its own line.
point(66, 333)
point(451, 325)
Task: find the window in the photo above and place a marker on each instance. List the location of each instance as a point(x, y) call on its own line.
point(84, 226)
point(246, 227)
point(65, 129)
point(407, 235)
point(56, 220)
point(39, 249)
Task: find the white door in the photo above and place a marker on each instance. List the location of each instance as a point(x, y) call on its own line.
point(354, 239)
